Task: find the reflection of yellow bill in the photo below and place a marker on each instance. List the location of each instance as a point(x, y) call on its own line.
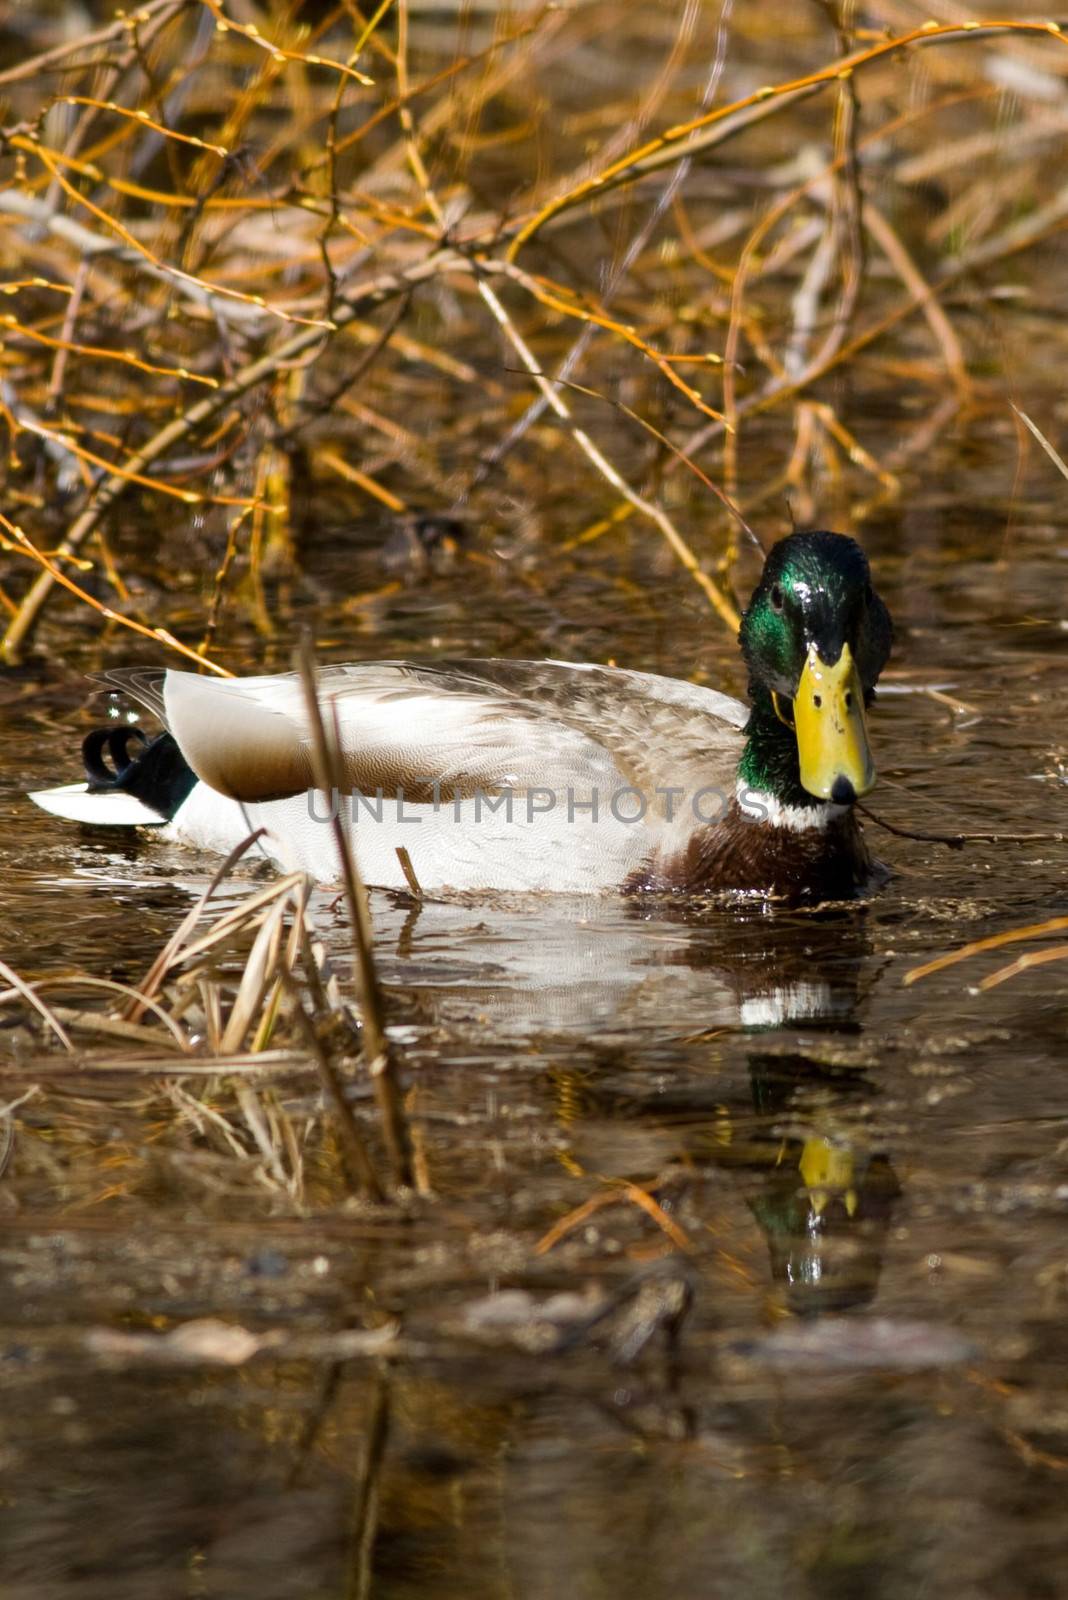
point(827, 1170)
point(832, 736)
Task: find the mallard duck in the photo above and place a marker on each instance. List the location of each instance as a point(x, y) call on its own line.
point(546, 775)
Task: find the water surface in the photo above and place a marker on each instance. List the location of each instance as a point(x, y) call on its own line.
point(850, 1381)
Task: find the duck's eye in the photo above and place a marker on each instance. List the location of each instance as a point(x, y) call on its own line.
point(778, 599)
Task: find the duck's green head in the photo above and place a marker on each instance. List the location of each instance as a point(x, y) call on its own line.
point(815, 637)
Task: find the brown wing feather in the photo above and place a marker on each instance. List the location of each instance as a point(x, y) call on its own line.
point(469, 725)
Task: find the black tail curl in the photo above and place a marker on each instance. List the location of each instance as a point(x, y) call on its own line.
point(156, 773)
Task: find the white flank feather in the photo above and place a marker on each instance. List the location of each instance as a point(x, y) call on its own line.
point(109, 809)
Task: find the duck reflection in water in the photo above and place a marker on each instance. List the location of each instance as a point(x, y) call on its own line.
point(802, 1145)
point(827, 1193)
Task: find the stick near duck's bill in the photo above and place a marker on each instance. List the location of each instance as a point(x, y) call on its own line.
point(832, 733)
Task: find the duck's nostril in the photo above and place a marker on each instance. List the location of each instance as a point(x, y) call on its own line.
point(842, 791)
point(817, 701)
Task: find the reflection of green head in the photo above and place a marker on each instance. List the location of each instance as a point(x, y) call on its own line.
point(815, 637)
point(825, 1212)
point(825, 1196)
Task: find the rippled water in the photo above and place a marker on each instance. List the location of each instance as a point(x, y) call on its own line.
point(833, 1363)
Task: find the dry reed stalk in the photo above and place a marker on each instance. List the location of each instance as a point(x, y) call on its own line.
point(328, 772)
point(29, 994)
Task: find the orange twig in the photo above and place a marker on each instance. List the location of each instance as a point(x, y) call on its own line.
point(673, 142)
point(1035, 930)
point(621, 1190)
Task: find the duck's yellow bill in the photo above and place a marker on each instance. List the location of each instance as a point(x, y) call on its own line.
point(832, 735)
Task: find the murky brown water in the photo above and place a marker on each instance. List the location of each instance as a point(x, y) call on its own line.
point(866, 1395)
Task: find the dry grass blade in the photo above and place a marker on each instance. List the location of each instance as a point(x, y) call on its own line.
point(27, 992)
point(165, 959)
point(290, 1062)
point(1058, 462)
point(245, 1011)
point(258, 975)
point(239, 917)
point(112, 1025)
point(248, 1098)
point(329, 776)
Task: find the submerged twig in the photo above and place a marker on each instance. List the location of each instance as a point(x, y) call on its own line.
point(618, 1190)
point(1035, 930)
point(354, 1156)
point(957, 841)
